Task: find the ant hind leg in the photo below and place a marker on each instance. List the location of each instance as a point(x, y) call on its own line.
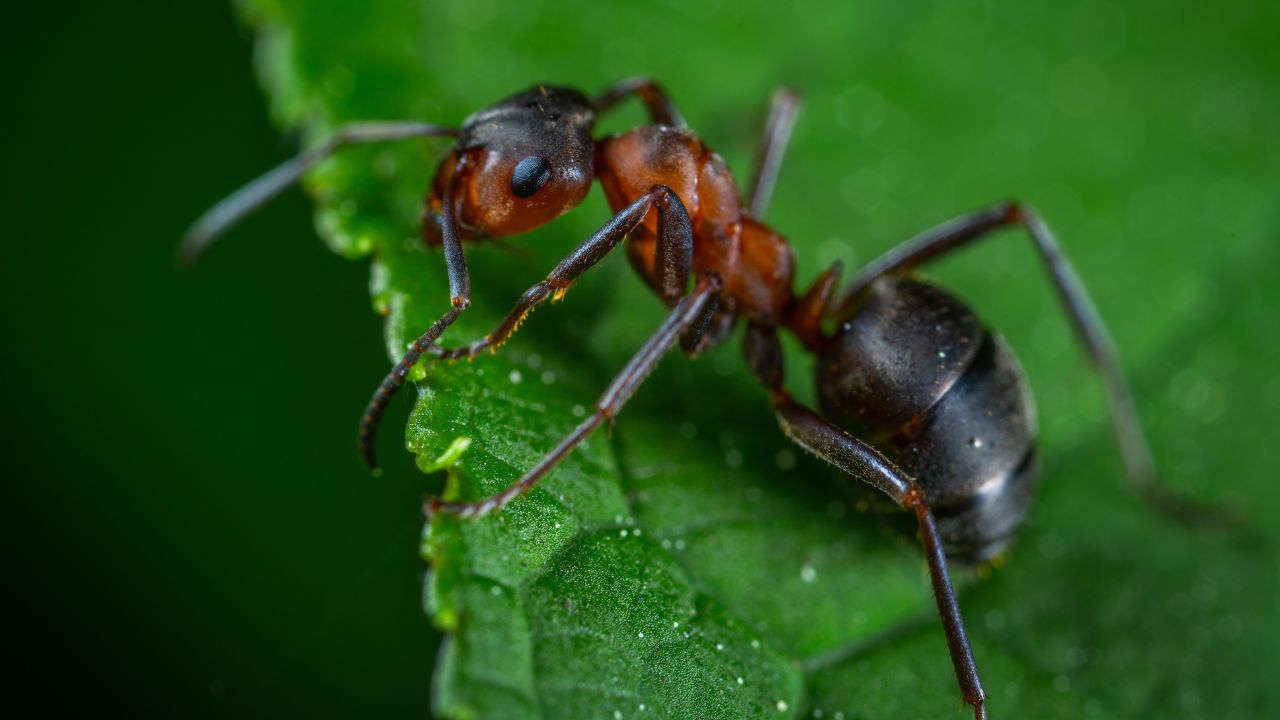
point(815, 434)
point(1092, 332)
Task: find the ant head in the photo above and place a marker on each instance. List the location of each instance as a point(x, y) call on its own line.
point(517, 165)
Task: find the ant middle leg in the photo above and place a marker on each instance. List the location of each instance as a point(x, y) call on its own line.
point(828, 442)
point(687, 319)
point(1092, 332)
point(773, 146)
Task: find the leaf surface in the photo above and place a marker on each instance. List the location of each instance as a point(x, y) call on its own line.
point(692, 563)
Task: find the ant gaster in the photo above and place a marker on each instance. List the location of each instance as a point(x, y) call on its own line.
point(918, 398)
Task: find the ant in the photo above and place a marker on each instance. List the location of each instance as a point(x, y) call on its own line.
point(919, 399)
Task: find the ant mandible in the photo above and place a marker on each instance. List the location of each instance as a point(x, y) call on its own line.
point(909, 367)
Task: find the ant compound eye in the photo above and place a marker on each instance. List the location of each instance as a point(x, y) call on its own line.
point(529, 176)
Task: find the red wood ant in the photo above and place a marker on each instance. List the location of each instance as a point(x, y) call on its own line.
point(918, 398)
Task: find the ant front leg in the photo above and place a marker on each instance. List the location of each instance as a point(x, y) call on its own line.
point(1129, 436)
point(815, 434)
point(673, 264)
point(687, 319)
point(662, 110)
point(243, 202)
point(460, 300)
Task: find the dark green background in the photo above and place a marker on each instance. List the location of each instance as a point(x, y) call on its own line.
point(194, 531)
point(191, 528)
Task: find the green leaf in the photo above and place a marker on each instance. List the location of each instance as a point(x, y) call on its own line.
point(693, 564)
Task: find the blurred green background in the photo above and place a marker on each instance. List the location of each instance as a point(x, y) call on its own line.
point(192, 531)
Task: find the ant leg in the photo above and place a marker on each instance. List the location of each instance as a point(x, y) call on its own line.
point(691, 313)
point(661, 109)
point(815, 434)
point(804, 317)
point(773, 145)
point(960, 232)
point(674, 263)
point(460, 299)
point(864, 462)
point(243, 202)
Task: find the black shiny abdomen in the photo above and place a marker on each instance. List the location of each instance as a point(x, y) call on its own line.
point(914, 373)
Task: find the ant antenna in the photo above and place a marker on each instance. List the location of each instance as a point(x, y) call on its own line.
point(243, 202)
